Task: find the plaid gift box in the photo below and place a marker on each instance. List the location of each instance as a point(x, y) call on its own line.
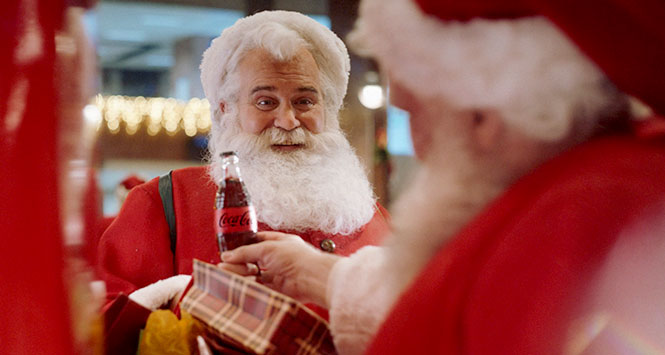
point(249, 317)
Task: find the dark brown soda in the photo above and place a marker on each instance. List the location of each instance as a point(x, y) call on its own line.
point(233, 194)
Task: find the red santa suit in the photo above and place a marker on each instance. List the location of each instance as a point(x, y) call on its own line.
point(515, 280)
point(135, 250)
point(524, 274)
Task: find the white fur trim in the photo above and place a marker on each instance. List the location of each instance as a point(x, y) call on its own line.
point(526, 68)
point(359, 298)
point(639, 110)
point(161, 292)
point(329, 51)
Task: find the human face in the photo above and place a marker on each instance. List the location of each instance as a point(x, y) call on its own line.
point(421, 134)
point(281, 94)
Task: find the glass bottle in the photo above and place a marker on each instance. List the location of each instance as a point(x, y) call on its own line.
point(235, 217)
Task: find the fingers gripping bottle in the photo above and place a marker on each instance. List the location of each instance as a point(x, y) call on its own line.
point(235, 217)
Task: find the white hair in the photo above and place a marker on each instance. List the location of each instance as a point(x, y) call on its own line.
point(321, 187)
point(525, 69)
point(282, 34)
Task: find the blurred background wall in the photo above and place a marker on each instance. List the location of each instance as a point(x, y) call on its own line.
point(150, 110)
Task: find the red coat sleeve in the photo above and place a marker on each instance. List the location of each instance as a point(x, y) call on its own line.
point(135, 249)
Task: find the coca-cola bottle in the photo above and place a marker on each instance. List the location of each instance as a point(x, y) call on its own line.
point(235, 217)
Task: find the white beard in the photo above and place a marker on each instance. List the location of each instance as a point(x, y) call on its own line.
point(319, 187)
point(448, 191)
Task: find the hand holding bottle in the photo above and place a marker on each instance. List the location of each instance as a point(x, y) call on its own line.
point(286, 264)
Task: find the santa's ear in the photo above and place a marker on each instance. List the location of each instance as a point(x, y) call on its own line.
point(486, 129)
point(217, 114)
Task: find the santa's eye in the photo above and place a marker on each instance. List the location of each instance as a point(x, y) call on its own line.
point(266, 104)
point(304, 103)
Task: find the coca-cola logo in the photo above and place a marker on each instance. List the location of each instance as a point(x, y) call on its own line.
point(235, 220)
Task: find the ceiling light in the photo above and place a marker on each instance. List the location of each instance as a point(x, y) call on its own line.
point(371, 96)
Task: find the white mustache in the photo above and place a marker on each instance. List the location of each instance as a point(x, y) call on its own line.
point(275, 135)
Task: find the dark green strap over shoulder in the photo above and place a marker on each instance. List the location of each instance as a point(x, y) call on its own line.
point(166, 193)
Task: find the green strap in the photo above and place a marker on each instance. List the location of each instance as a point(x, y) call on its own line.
point(166, 193)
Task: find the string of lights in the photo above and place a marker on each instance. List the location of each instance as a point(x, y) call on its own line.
point(154, 114)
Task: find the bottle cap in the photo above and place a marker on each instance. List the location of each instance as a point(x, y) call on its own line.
point(228, 153)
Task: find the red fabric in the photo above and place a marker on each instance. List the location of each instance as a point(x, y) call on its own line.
point(123, 321)
point(510, 282)
point(653, 127)
point(625, 38)
point(131, 182)
point(34, 308)
point(104, 224)
point(92, 217)
point(135, 250)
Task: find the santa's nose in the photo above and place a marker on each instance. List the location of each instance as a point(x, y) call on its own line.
point(286, 119)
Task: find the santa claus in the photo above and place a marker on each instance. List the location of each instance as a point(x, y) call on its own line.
point(275, 81)
point(535, 171)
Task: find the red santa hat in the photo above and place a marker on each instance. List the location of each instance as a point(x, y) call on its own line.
point(625, 38)
point(131, 181)
point(520, 56)
point(123, 188)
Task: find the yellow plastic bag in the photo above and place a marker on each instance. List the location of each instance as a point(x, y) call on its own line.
point(165, 334)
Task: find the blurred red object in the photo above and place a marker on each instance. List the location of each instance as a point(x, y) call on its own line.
point(34, 308)
point(41, 97)
point(131, 181)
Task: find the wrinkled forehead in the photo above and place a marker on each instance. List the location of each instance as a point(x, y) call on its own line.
point(259, 65)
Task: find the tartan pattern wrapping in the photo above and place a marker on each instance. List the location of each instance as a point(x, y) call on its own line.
point(246, 315)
